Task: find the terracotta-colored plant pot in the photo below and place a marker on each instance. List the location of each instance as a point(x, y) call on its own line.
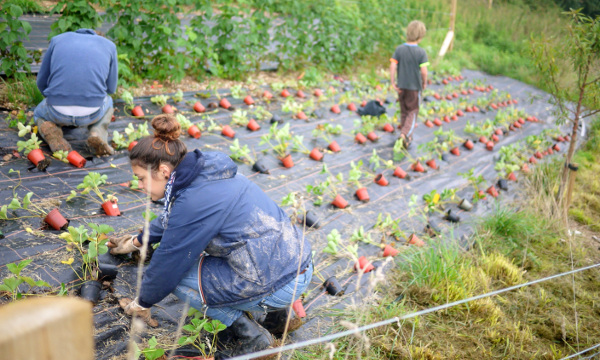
point(267, 95)
point(446, 118)
point(495, 138)
point(364, 265)
point(111, 208)
point(75, 159)
point(56, 220)
point(224, 103)
point(521, 121)
point(318, 92)
point(429, 124)
point(437, 96)
point(300, 94)
point(137, 111)
point(556, 147)
point(489, 145)
point(339, 202)
point(546, 153)
point(399, 173)
point(333, 146)
point(445, 82)
point(381, 180)
point(388, 128)
point(481, 195)
point(469, 144)
point(538, 155)
point(517, 124)
point(167, 109)
point(228, 131)
point(455, 151)
point(550, 151)
point(499, 132)
point(525, 168)
point(413, 239)
point(492, 191)
point(460, 113)
point(567, 138)
point(301, 116)
point(533, 160)
point(483, 139)
point(389, 250)
point(449, 97)
point(287, 161)
point(363, 103)
point(560, 139)
point(335, 109)
point(437, 122)
point(464, 92)
point(418, 167)
point(352, 107)
point(248, 100)
point(372, 136)
point(475, 108)
point(360, 138)
point(285, 93)
point(494, 106)
point(362, 194)
point(512, 177)
point(469, 109)
point(36, 156)
point(252, 125)
point(431, 163)
point(198, 107)
point(315, 154)
point(299, 309)
point(194, 132)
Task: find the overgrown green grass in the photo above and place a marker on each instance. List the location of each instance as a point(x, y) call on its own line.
point(21, 94)
point(519, 243)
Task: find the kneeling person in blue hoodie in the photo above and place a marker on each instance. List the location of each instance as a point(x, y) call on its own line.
point(78, 72)
point(225, 246)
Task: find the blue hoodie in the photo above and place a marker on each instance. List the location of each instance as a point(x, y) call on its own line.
point(79, 69)
point(251, 247)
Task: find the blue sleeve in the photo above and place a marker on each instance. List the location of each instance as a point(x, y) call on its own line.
point(113, 75)
point(44, 72)
point(191, 226)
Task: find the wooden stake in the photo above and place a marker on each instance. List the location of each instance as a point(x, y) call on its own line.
point(572, 172)
point(452, 21)
point(490, 4)
point(50, 328)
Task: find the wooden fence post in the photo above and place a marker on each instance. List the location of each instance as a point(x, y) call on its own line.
point(50, 328)
point(452, 22)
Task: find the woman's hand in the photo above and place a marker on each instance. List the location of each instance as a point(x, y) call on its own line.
point(132, 308)
point(122, 244)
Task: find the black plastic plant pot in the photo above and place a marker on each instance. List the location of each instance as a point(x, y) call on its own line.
point(431, 230)
point(503, 184)
point(333, 287)
point(452, 217)
point(276, 119)
point(445, 157)
point(90, 291)
point(311, 219)
point(260, 167)
point(107, 271)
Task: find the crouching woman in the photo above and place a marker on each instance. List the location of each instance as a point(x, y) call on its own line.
point(225, 246)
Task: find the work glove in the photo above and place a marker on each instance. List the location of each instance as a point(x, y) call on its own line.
point(122, 244)
point(132, 308)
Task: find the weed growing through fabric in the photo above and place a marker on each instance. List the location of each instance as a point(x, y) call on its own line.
point(22, 93)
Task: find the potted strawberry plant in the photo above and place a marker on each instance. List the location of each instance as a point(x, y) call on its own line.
point(91, 185)
point(31, 147)
point(476, 182)
point(90, 272)
point(53, 218)
point(298, 146)
point(187, 125)
point(279, 140)
point(194, 334)
point(354, 178)
point(328, 188)
point(161, 101)
point(242, 154)
point(133, 134)
point(324, 131)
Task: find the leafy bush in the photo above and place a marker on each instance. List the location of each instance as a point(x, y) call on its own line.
point(12, 33)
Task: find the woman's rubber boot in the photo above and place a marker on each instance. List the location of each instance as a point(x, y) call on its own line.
point(53, 135)
point(244, 336)
point(275, 322)
point(98, 138)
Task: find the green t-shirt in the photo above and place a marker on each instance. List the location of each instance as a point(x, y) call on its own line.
point(409, 60)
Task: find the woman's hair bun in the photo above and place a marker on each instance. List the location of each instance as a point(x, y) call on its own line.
point(166, 127)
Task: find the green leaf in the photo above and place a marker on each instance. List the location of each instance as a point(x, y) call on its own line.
point(13, 283)
point(3, 214)
point(27, 200)
point(15, 204)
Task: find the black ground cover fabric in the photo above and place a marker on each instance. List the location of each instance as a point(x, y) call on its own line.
point(111, 333)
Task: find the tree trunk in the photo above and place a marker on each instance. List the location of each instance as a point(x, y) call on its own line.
point(565, 171)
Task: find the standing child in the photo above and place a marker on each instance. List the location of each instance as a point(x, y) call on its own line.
point(408, 72)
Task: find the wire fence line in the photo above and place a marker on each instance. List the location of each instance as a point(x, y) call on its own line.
point(583, 352)
point(357, 330)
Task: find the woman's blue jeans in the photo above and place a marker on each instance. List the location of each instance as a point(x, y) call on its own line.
point(187, 290)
